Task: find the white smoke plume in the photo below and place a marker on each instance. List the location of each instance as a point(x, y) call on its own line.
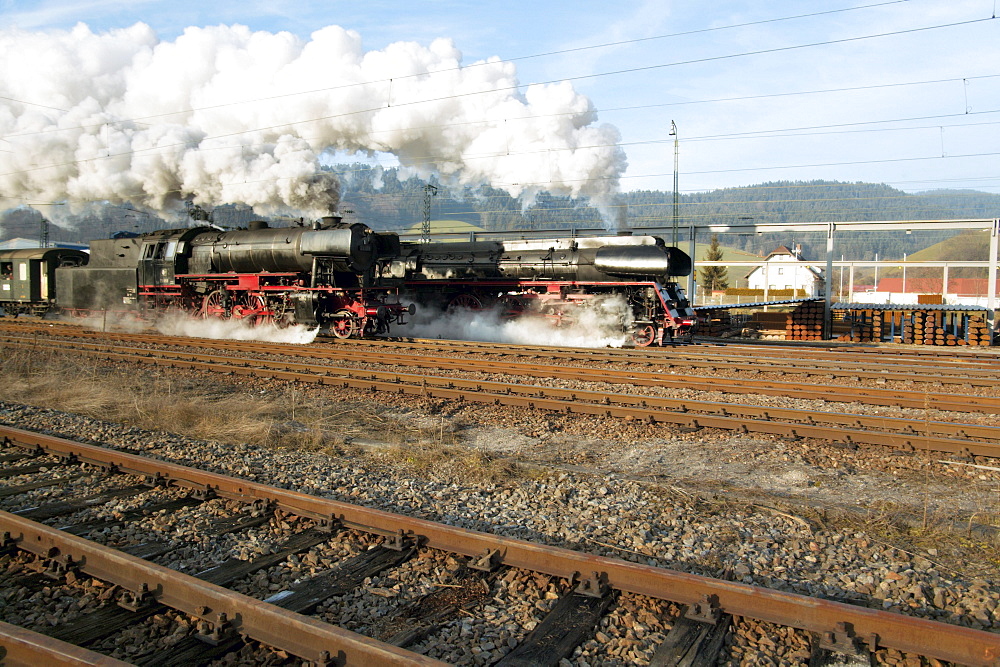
point(600, 324)
point(227, 115)
point(182, 324)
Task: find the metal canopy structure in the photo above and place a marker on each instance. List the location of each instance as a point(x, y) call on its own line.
point(830, 229)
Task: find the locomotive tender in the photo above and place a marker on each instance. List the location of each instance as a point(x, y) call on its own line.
point(350, 279)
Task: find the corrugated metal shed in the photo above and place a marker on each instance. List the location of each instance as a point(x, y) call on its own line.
point(896, 306)
point(732, 306)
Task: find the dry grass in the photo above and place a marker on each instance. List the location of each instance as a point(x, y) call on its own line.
point(958, 548)
point(155, 400)
point(460, 464)
point(280, 416)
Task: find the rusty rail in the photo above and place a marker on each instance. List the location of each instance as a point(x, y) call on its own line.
point(969, 370)
point(24, 648)
point(916, 435)
point(379, 355)
point(227, 611)
point(844, 622)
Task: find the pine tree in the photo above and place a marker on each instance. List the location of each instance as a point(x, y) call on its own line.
point(714, 277)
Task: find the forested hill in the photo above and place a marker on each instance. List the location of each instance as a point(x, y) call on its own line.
point(385, 202)
point(380, 199)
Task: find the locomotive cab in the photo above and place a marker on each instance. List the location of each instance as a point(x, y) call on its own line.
point(164, 256)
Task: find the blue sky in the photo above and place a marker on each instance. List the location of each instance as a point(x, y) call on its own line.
point(905, 92)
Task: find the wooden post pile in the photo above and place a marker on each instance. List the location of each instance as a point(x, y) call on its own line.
point(805, 322)
point(916, 327)
point(770, 324)
point(948, 328)
point(978, 331)
point(864, 327)
point(716, 323)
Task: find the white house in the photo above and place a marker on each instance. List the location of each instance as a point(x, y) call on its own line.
point(784, 269)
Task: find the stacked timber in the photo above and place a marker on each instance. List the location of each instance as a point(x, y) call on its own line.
point(978, 331)
point(805, 322)
point(940, 328)
point(716, 323)
point(916, 327)
point(770, 324)
point(866, 326)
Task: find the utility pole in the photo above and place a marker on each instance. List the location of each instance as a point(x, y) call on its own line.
point(673, 133)
point(425, 228)
point(43, 233)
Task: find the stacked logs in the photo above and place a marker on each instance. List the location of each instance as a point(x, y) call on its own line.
point(716, 323)
point(805, 322)
point(932, 328)
point(917, 327)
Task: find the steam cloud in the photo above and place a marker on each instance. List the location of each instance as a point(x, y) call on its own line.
point(181, 324)
point(227, 115)
point(598, 325)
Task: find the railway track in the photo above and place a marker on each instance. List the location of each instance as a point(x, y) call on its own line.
point(908, 434)
point(222, 619)
point(541, 366)
point(947, 370)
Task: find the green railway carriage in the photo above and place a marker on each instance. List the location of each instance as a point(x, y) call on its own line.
point(27, 278)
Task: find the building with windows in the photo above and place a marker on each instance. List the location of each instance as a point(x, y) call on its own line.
point(785, 269)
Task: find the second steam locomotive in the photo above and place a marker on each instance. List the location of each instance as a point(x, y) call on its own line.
point(356, 282)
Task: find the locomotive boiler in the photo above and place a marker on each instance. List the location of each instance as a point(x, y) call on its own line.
point(325, 275)
point(556, 278)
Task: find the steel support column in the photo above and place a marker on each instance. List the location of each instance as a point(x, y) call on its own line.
point(991, 287)
point(828, 286)
point(693, 278)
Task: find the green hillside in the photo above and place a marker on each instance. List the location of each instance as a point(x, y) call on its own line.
point(383, 200)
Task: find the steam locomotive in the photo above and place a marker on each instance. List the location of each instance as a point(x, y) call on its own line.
point(356, 282)
point(321, 275)
point(556, 279)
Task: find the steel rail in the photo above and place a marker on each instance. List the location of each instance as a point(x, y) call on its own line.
point(983, 356)
point(902, 433)
point(876, 627)
point(300, 635)
point(827, 393)
point(23, 648)
point(984, 374)
point(797, 350)
point(919, 358)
